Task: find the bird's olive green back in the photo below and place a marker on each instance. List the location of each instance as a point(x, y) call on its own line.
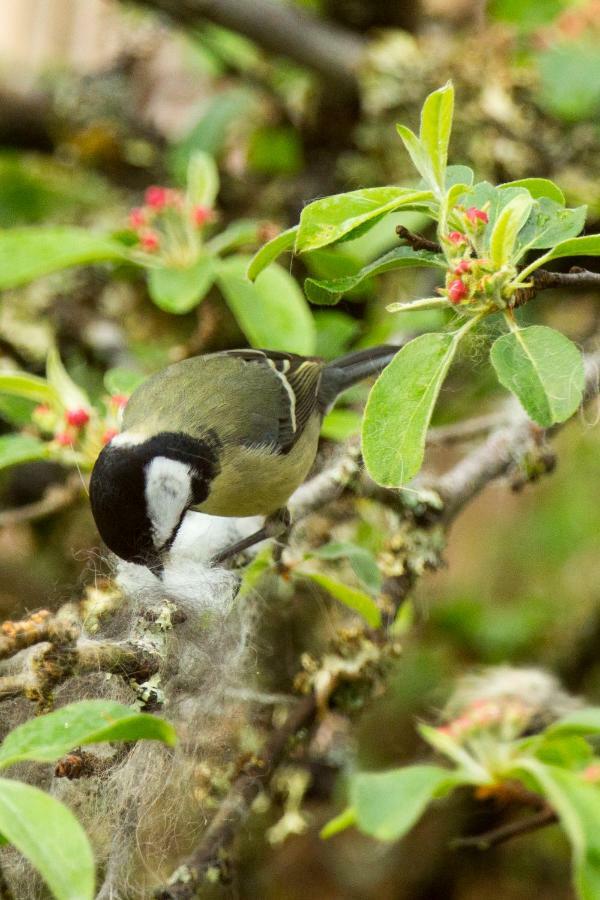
point(240, 400)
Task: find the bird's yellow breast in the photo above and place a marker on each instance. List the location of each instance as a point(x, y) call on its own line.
point(254, 481)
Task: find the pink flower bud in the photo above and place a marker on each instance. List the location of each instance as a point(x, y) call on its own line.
point(202, 214)
point(463, 266)
point(475, 215)
point(457, 237)
point(137, 218)
point(119, 400)
point(108, 435)
point(42, 409)
point(149, 241)
point(64, 439)
point(156, 197)
point(77, 417)
point(457, 290)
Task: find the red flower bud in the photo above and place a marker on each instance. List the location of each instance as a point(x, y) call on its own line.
point(475, 215)
point(457, 290)
point(150, 241)
point(119, 400)
point(137, 218)
point(156, 197)
point(108, 435)
point(64, 439)
point(202, 214)
point(77, 417)
point(463, 266)
point(457, 237)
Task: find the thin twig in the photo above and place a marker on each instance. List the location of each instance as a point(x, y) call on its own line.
point(417, 241)
point(506, 832)
point(222, 830)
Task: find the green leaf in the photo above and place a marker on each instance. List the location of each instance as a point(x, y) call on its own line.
point(340, 424)
point(202, 179)
point(328, 220)
point(178, 290)
point(577, 805)
point(346, 819)
point(275, 150)
point(507, 227)
point(21, 448)
point(400, 407)
point(544, 369)
point(462, 175)
point(335, 331)
point(331, 291)
point(49, 737)
point(567, 751)
point(585, 721)
point(122, 381)
point(419, 156)
point(270, 251)
point(272, 312)
point(388, 804)
point(238, 234)
point(31, 387)
point(537, 187)
point(47, 833)
point(436, 125)
point(69, 394)
point(362, 561)
point(29, 253)
point(588, 245)
point(358, 601)
point(570, 80)
point(254, 571)
point(548, 224)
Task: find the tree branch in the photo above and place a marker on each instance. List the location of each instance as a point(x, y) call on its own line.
point(504, 833)
point(333, 52)
point(222, 830)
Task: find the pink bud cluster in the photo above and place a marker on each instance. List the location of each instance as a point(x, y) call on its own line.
point(482, 715)
point(68, 429)
point(457, 288)
point(157, 201)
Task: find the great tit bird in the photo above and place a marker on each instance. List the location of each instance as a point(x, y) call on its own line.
point(228, 434)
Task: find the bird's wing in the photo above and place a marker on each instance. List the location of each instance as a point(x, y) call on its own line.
point(299, 379)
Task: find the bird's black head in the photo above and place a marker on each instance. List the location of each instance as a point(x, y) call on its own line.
point(140, 491)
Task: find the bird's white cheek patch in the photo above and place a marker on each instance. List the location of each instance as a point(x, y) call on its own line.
point(168, 494)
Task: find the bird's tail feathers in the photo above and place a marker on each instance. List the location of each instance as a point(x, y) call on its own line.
point(342, 373)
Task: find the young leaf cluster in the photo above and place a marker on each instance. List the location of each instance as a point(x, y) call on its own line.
point(172, 238)
point(486, 238)
point(484, 750)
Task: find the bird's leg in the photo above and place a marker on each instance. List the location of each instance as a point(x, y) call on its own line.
point(275, 525)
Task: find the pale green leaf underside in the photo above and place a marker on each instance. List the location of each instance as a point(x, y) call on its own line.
point(329, 291)
point(29, 253)
point(31, 387)
point(178, 290)
point(272, 311)
point(47, 833)
point(436, 125)
point(577, 805)
point(16, 449)
point(270, 251)
point(506, 229)
point(388, 804)
point(544, 369)
point(400, 406)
